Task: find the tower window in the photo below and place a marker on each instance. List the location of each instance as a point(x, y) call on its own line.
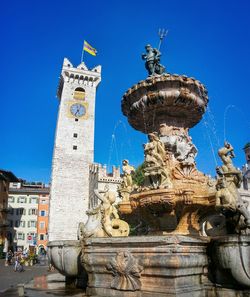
point(75, 147)
point(79, 93)
point(75, 135)
point(76, 120)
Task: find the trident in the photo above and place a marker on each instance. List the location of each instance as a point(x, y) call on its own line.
point(162, 33)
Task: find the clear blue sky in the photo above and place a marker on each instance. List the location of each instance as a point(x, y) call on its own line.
point(208, 40)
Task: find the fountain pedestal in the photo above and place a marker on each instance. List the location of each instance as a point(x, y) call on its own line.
point(150, 266)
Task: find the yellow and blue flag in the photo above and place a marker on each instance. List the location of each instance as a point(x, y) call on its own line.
point(88, 48)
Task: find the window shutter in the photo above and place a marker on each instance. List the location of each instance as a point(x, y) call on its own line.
point(28, 223)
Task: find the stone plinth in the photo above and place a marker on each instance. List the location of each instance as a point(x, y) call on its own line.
point(146, 266)
point(173, 100)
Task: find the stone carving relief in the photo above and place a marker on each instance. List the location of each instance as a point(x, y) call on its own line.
point(103, 221)
point(228, 200)
point(126, 272)
point(126, 186)
point(181, 146)
point(156, 172)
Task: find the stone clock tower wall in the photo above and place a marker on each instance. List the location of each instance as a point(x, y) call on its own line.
point(73, 150)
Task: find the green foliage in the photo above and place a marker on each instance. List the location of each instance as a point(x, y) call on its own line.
point(247, 145)
point(138, 176)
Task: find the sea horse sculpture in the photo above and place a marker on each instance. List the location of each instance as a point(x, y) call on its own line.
point(103, 221)
point(228, 200)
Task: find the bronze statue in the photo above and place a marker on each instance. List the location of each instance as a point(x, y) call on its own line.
point(152, 58)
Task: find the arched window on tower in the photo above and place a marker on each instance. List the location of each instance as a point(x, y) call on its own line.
point(79, 93)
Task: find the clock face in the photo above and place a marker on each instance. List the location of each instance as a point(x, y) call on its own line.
point(78, 110)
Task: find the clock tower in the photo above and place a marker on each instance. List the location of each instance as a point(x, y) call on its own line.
point(73, 150)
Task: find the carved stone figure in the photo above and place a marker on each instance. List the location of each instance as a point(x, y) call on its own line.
point(127, 171)
point(126, 272)
point(228, 200)
point(226, 196)
point(103, 221)
point(182, 147)
point(152, 58)
point(126, 186)
point(226, 154)
point(156, 173)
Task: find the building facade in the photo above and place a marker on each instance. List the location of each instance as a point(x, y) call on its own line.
point(73, 150)
point(5, 178)
point(246, 168)
point(43, 222)
point(23, 204)
point(101, 180)
point(245, 188)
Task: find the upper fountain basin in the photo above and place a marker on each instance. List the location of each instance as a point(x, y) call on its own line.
point(174, 100)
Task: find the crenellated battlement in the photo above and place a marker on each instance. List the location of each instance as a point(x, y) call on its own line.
point(78, 76)
point(99, 171)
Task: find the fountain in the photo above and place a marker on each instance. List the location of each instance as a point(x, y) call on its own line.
point(192, 231)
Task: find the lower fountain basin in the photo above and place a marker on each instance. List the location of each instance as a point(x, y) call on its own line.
point(65, 255)
point(231, 258)
point(149, 266)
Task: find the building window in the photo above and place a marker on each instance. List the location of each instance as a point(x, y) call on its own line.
point(21, 211)
point(21, 199)
point(32, 224)
point(32, 211)
point(42, 213)
point(11, 211)
point(43, 201)
point(41, 236)
point(42, 225)
point(22, 223)
point(20, 236)
point(33, 200)
point(75, 135)
point(11, 199)
point(10, 223)
point(74, 147)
